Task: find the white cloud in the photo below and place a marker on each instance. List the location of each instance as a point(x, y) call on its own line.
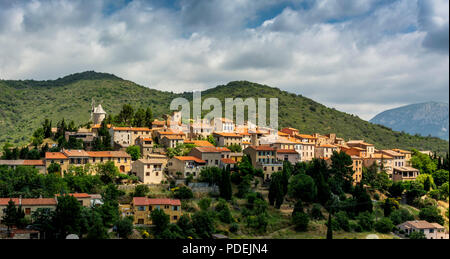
point(367, 60)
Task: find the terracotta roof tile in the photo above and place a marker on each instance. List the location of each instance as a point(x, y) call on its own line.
point(55, 155)
point(144, 201)
point(228, 161)
point(212, 149)
point(190, 158)
point(199, 143)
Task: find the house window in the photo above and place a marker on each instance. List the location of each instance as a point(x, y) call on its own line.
point(27, 211)
point(147, 174)
point(157, 173)
point(175, 217)
point(141, 208)
point(140, 221)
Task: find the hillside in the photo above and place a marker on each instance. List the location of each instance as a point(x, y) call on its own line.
point(25, 104)
point(429, 118)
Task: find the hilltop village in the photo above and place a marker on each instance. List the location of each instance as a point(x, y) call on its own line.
point(218, 166)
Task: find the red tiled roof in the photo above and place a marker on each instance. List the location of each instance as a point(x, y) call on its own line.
point(190, 158)
point(144, 201)
point(75, 153)
point(108, 154)
point(212, 149)
point(287, 151)
point(328, 145)
point(29, 201)
point(34, 162)
point(199, 143)
point(262, 148)
point(228, 161)
point(39, 201)
point(5, 201)
point(173, 137)
point(55, 155)
point(230, 135)
point(131, 129)
point(160, 123)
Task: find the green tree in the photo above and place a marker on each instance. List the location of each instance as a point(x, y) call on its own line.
point(396, 190)
point(43, 221)
point(134, 152)
point(225, 184)
point(301, 221)
point(67, 217)
point(203, 224)
point(276, 195)
point(303, 187)
point(148, 117)
point(422, 162)
point(389, 205)
point(417, 235)
point(160, 220)
point(343, 220)
point(440, 177)
point(401, 215)
point(126, 114)
point(10, 215)
point(329, 228)
point(211, 140)
point(141, 191)
point(366, 220)
point(96, 230)
point(384, 225)
point(431, 214)
point(139, 118)
point(204, 204)
point(124, 227)
point(183, 193)
point(54, 168)
point(342, 171)
point(108, 172)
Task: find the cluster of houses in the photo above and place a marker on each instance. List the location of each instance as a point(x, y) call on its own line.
point(267, 149)
point(140, 208)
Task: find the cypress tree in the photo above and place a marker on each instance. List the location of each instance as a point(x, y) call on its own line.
point(329, 228)
point(225, 184)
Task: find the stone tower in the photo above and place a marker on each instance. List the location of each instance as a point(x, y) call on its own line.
point(97, 113)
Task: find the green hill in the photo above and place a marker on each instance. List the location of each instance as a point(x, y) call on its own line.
point(24, 104)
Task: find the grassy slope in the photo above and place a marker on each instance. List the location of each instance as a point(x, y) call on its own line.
point(25, 104)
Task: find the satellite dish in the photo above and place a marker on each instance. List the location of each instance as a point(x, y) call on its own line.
point(72, 236)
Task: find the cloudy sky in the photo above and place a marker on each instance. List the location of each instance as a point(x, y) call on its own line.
point(359, 56)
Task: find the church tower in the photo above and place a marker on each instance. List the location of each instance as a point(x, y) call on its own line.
point(97, 113)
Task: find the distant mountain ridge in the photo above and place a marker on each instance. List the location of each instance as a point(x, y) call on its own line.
point(430, 118)
point(25, 104)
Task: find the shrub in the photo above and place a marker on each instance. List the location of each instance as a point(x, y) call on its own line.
point(300, 220)
point(384, 225)
point(234, 228)
point(401, 215)
point(417, 235)
point(342, 221)
point(183, 193)
point(366, 220)
point(316, 212)
point(432, 215)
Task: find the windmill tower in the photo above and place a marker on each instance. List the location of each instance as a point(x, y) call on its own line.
point(97, 113)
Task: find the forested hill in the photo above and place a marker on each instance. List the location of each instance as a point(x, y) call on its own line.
point(25, 104)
